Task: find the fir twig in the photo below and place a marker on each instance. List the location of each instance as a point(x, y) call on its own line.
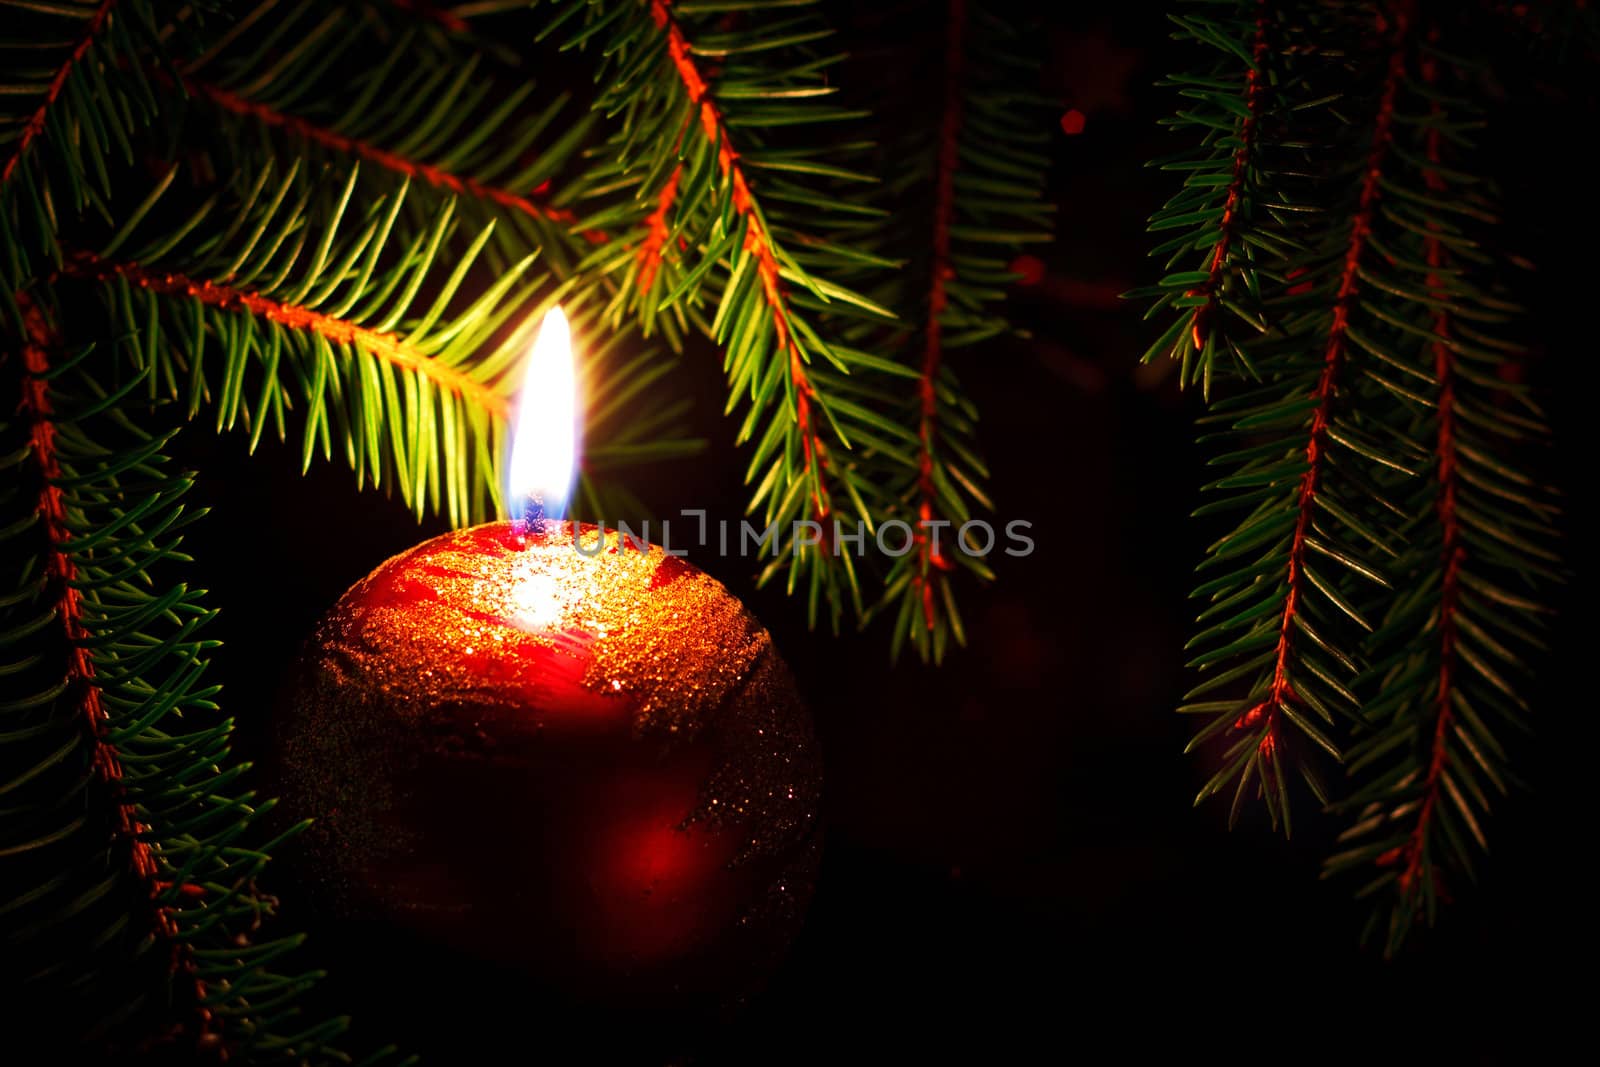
point(1414, 853)
point(1282, 693)
point(963, 196)
point(131, 850)
point(724, 232)
point(34, 125)
point(387, 346)
point(1452, 659)
point(433, 175)
point(1383, 594)
point(131, 834)
point(949, 147)
point(758, 243)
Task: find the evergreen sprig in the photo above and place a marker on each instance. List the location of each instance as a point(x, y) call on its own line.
point(456, 134)
point(343, 223)
point(1379, 601)
point(729, 232)
point(828, 301)
point(1451, 662)
point(74, 83)
point(416, 102)
point(963, 195)
point(306, 311)
point(1221, 225)
point(1283, 589)
point(126, 831)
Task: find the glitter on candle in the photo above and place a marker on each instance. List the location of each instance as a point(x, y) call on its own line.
point(538, 601)
point(492, 719)
point(544, 747)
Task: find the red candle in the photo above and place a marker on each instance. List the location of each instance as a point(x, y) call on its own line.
point(534, 743)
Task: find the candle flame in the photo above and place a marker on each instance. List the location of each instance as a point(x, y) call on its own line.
point(544, 435)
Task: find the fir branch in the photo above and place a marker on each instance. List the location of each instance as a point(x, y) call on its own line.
point(645, 438)
point(131, 850)
point(1461, 637)
point(746, 266)
point(405, 361)
point(1393, 285)
point(1295, 640)
point(653, 246)
point(1216, 212)
point(1282, 691)
point(391, 161)
point(305, 308)
point(130, 831)
point(1201, 317)
point(949, 146)
point(66, 125)
point(963, 196)
point(387, 346)
point(450, 124)
point(34, 126)
point(1451, 549)
point(759, 244)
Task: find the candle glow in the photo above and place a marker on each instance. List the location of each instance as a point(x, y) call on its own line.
point(624, 704)
point(544, 447)
point(544, 435)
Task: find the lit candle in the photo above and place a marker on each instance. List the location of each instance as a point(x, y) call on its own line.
point(591, 764)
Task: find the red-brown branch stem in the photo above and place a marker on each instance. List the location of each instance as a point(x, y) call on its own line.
point(1211, 288)
point(36, 122)
point(426, 172)
point(757, 242)
point(1282, 688)
point(41, 343)
point(944, 201)
point(384, 346)
point(657, 231)
point(1452, 551)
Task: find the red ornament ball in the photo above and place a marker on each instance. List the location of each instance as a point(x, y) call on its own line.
point(583, 760)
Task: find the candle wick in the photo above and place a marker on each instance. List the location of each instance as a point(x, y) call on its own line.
point(528, 516)
point(531, 519)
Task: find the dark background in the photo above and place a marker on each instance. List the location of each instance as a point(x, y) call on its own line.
point(1013, 869)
